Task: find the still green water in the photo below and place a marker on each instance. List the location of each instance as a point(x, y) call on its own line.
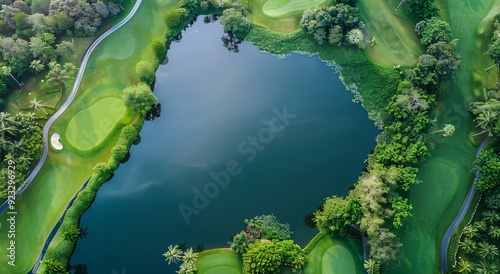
point(240, 135)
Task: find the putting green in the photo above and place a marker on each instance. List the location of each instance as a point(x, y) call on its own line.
point(279, 8)
point(216, 261)
point(338, 255)
point(90, 126)
point(338, 260)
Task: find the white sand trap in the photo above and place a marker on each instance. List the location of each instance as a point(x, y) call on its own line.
point(54, 140)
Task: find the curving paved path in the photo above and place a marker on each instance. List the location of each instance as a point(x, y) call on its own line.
point(460, 216)
point(72, 96)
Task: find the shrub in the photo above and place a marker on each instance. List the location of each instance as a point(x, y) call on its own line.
point(172, 18)
point(145, 72)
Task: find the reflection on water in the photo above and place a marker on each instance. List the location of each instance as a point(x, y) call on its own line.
point(220, 153)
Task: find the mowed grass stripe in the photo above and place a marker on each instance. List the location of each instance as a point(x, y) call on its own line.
point(397, 42)
point(90, 126)
point(280, 8)
point(217, 261)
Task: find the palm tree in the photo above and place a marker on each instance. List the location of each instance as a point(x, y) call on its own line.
point(8, 71)
point(487, 250)
point(37, 105)
point(481, 226)
point(37, 65)
point(448, 129)
point(173, 255)
point(494, 232)
point(486, 268)
point(83, 232)
point(371, 266)
point(186, 268)
point(465, 266)
point(17, 146)
point(491, 216)
point(486, 120)
point(470, 231)
point(189, 256)
point(468, 245)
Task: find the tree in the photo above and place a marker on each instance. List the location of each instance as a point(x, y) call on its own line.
point(448, 130)
point(159, 48)
point(139, 98)
point(494, 51)
point(268, 227)
point(172, 18)
point(468, 245)
point(487, 250)
point(72, 233)
point(58, 74)
point(470, 231)
point(371, 266)
point(234, 21)
point(465, 266)
point(402, 210)
point(145, 72)
point(240, 242)
point(54, 267)
point(486, 268)
point(337, 214)
point(355, 37)
point(494, 232)
point(37, 65)
point(7, 71)
point(487, 168)
point(262, 258)
point(173, 255)
point(189, 257)
point(101, 9)
point(424, 8)
point(433, 30)
point(66, 48)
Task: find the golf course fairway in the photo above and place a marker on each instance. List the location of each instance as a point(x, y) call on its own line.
point(90, 126)
point(279, 8)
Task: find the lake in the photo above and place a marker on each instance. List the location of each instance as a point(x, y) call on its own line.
point(240, 135)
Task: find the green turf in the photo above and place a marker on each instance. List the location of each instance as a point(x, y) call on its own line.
point(218, 261)
point(397, 42)
point(90, 126)
point(280, 8)
point(65, 171)
point(446, 174)
point(336, 255)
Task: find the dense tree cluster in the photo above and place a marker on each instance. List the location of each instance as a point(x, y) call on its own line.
point(334, 25)
point(29, 31)
point(478, 247)
point(265, 246)
point(424, 9)
point(20, 144)
point(139, 98)
point(268, 257)
point(487, 168)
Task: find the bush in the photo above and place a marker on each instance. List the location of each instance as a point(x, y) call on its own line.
point(172, 18)
point(145, 72)
point(159, 48)
point(139, 98)
point(62, 251)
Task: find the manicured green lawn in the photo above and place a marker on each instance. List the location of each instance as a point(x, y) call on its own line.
point(397, 42)
point(90, 126)
point(217, 261)
point(446, 175)
point(336, 255)
point(65, 171)
point(279, 8)
point(281, 15)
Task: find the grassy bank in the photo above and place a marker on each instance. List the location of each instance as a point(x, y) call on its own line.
point(446, 174)
point(111, 68)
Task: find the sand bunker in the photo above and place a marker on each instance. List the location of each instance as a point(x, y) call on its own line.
point(54, 140)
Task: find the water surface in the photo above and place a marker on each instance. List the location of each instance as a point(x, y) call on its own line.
point(213, 102)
